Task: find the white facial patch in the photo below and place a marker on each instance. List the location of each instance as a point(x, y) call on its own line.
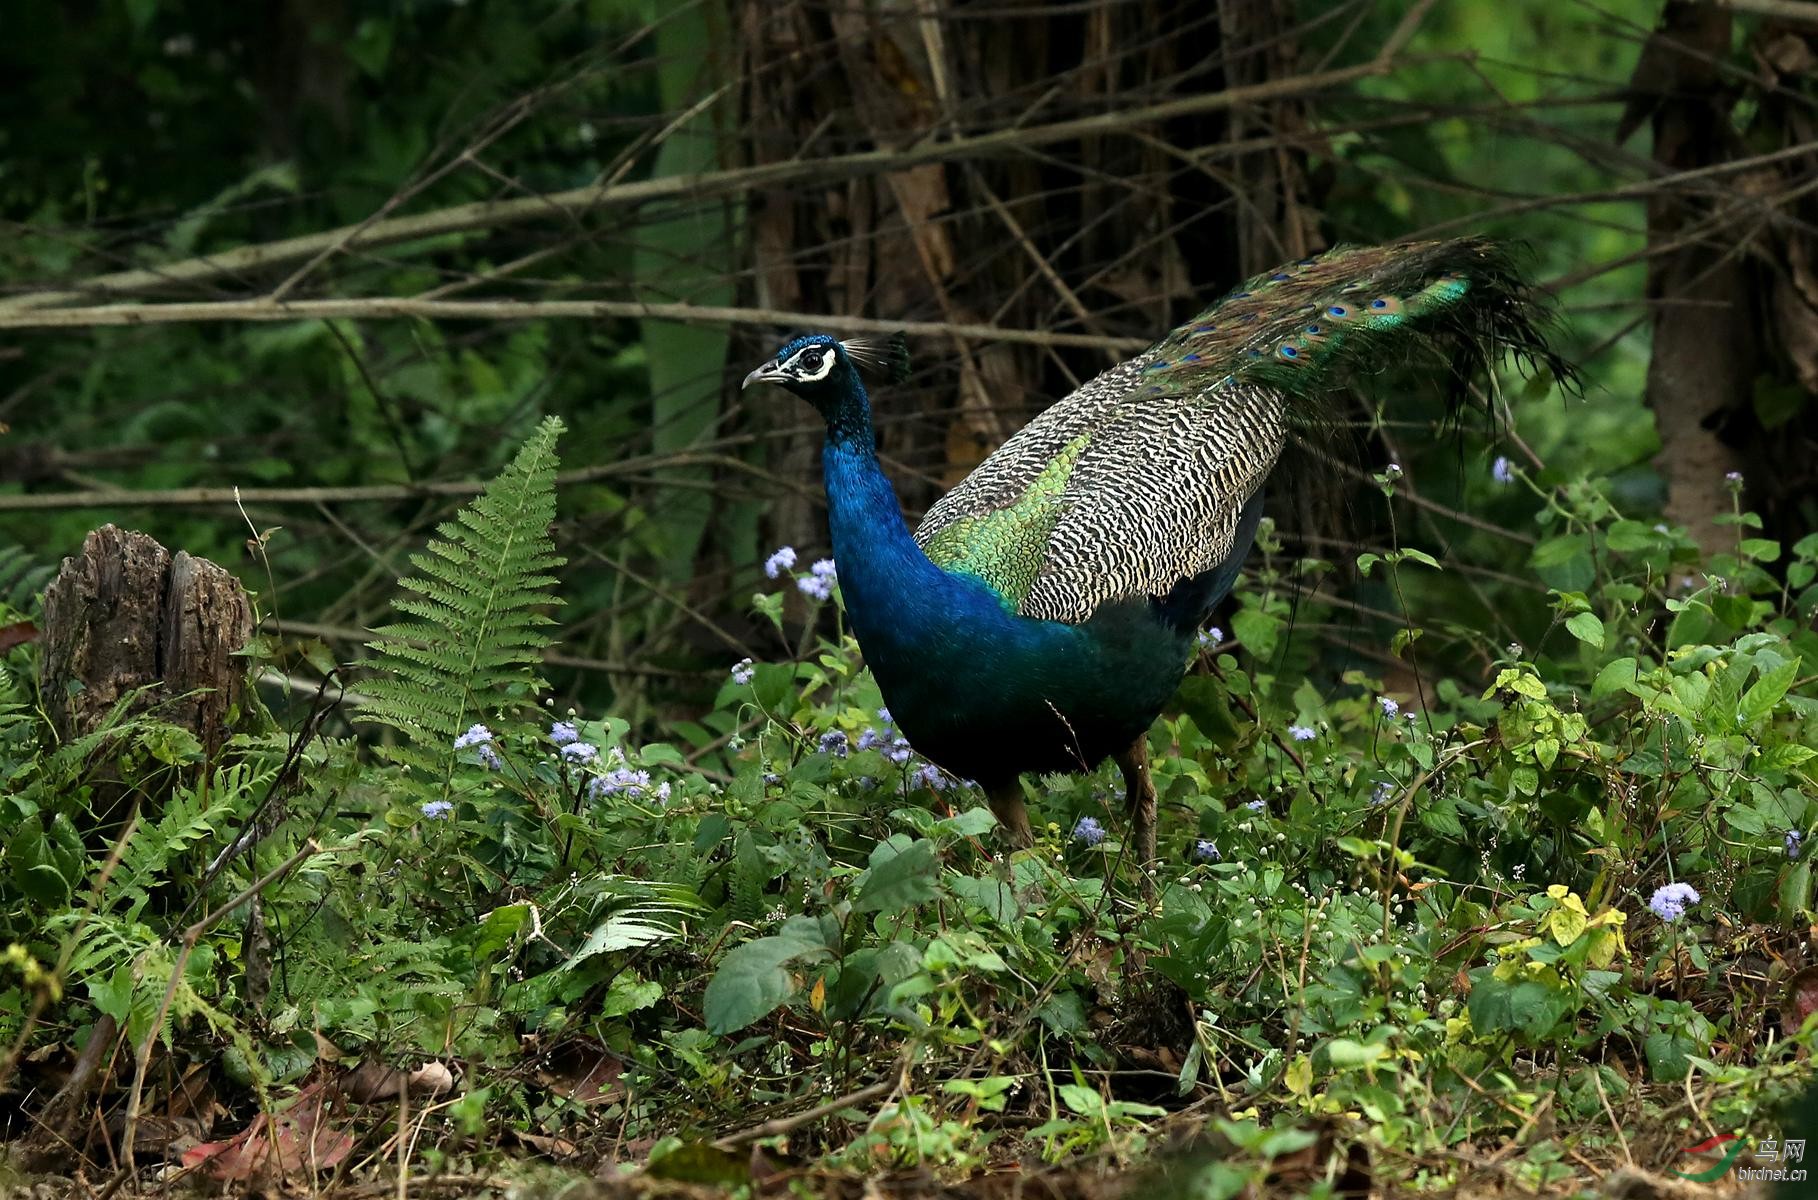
point(805, 366)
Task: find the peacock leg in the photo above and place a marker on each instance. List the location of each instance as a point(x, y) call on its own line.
point(1007, 802)
point(1134, 763)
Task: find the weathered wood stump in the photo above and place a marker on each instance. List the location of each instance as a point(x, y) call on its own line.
point(126, 614)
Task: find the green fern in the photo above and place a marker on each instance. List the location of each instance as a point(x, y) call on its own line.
point(22, 580)
point(472, 638)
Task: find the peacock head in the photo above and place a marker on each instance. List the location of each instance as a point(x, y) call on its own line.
point(823, 370)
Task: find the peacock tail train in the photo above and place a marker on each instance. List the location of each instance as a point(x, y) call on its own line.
point(1144, 477)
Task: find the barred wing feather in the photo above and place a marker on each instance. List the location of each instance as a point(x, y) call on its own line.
point(1135, 481)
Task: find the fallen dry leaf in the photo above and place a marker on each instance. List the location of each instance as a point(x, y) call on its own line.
point(276, 1146)
point(372, 1082)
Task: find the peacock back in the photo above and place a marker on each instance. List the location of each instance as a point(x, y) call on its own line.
point(1140, 478)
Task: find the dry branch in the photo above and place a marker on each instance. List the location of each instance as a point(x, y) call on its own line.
point(513, 310)
point(492, 214)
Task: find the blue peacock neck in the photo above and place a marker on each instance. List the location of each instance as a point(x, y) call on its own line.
point(895, 598)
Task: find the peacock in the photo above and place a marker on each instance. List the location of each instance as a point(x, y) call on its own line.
point(1045, 609)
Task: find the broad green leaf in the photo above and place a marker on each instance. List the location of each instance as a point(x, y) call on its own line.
point(1616, 674)
point(898, 879)
point(1766, 692)
point(1586, 627)
point(752, 982)
point(1257, 630)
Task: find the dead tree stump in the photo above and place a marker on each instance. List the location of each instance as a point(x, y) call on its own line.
point(126, 614)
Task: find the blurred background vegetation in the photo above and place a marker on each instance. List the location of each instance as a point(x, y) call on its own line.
point(1033, 189)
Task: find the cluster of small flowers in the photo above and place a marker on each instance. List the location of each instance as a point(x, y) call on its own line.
point(1302, 733)
point(1733, 478)
point(818, 583)
point(437, 810)
point(1502, 470)
point(1210, 637)
point(1088, 832)
point(478, 738)
point(1389, 707)
point(1670, 900)
point(1793, 840)
point(782, 560)
point(1205, 851)
point(884, 738)
point(623, 781)
point(834, 742)
point(932, 777)
point(742, 670)
point(578, 752)
point(1381, 793)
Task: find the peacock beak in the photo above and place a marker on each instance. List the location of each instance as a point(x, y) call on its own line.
point(768, 373)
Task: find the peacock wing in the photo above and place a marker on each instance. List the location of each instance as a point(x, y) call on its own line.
point(1135, 481)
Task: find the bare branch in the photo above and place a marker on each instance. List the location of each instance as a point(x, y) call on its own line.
point(491, 214)
point(392, 307)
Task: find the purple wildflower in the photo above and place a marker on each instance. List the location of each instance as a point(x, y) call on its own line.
point(1381, 793)
point(742, 671)
point(437, 810)
point(1670, 900)
point(1257, 805)
point(834, 742)
point(1502, 470)
point(1209, 637)
point(1793, 840)
point(782, 560)
point(618, 780)
point(819, 581)
point(580, 752)
point(489, 758)
point(930, 777)
point(1388, 706)
point(1733, 478)
point(476, 735)
point(564, 732)
point(1302, 733)
point(1087, 831)
point(1205, 851)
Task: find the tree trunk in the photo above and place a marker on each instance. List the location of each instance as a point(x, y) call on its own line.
point(126, 616)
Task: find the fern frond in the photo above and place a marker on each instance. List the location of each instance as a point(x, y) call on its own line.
point(470, 635)
point(22, 579)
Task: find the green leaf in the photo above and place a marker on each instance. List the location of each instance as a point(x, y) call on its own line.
point(1344, 1053)
point(1205, 700)
point(702, 1163)
point(752, 982)
point(1257, 630)
point(1625, 537)
point(773, 685)
point(1766, 693)
point(898, 879)
point(1616, 675)
point(1796, 892)
point(968, 823)
point(1586, 627)
point(1668, 1056)
point(1421, 557)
